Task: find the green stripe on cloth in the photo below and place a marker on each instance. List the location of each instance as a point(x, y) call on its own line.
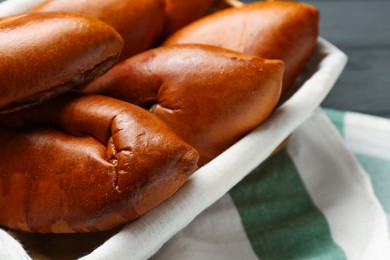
point(379, 172)
point(338, 119)
point(378, 169)
point(278, 215)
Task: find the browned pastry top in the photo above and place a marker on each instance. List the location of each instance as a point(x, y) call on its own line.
point(181, 12)
point(47, 54)
point(86, 163)
point(274, 30)
point(209, 96)
point(140, 22)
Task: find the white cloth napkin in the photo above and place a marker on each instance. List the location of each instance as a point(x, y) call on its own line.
point(10, 248)
point(340, 190)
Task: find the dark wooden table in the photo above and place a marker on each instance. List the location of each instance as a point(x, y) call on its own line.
point(361, 29)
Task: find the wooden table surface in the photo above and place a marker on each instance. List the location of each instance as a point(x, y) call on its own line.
point(361, 29)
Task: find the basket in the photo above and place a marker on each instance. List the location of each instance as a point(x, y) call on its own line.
point(214, 179)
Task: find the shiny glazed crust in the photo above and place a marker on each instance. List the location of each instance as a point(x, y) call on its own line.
point(43, 55)
point(141, 23)
point(181, 12)
point(209, 96)
point(86, 163)
point(274, 30)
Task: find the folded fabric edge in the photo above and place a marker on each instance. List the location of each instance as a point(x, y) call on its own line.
point(206, 185)
point(360, 228)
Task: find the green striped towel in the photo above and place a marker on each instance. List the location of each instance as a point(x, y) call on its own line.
point(313, 200)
